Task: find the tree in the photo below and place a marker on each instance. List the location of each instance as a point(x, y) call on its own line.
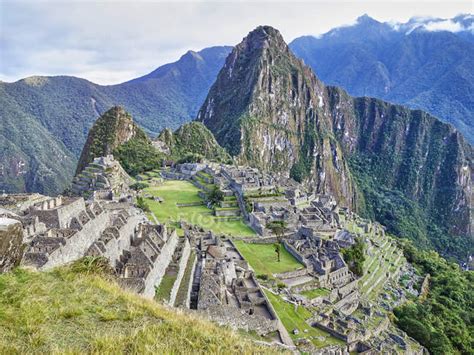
point(354, 257)
point(277, 250)
point(215, 196)
point(278, 228)
point(141, 204)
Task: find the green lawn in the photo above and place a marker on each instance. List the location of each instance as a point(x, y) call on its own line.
point(296, 319)
point(263, 259)
point(310, 294)
point(173, 192)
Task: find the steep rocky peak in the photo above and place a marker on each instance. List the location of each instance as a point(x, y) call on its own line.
point(114, 128)
point(263, 37)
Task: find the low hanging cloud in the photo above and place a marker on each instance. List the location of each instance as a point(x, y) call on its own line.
point(114, 41)
point(444, 25)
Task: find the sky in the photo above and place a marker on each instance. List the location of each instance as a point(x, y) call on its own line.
point(109, 42)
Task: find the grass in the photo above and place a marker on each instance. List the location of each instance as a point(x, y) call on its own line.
point(296, 319)
point(71, 310)
point(164, 290)
point(263, 259)
point(174, 192)
point(317, 292)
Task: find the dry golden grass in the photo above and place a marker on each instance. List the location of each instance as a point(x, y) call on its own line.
point(76, 310)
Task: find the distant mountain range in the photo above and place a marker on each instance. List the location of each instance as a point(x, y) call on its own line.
point(45, 120)
point(416, 64)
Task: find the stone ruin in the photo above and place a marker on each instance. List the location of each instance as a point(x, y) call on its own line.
point(228, 293)
point(104, 178)
point(60, 230)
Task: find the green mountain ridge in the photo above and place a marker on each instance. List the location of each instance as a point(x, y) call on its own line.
point(58, 112)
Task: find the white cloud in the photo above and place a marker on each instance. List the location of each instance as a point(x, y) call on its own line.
point(444, 25)
point(114, 41)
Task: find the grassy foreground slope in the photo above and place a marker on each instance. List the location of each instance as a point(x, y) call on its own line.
point(77, 309)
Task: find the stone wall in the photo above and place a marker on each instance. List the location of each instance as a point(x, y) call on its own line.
point(60, 217)
point(11, 243)
point(289, 248)
point(292, 274)
point(227, 213)
point(159, 267)
point(115, 247)
point(263, 240)
point(190, 285)
point(77, 245)
point(240, 318)
point(182, 268)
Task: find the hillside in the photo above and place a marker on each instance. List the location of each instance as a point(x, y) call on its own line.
point(40, 312)
point(44, 117)
point(192, 139)
point(411, 171)
point(403, 63)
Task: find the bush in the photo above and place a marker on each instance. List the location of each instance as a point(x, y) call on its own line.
point(354, 257)
point(215, 196)
point(139, 186)
point(141, 204)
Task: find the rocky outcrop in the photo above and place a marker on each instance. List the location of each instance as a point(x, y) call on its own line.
point(270, 111)
point(112, 129)
point(11, 243)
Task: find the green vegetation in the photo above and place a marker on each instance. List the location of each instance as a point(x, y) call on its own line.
point(317, 292)
point(192, 142)
point(139, 186)
point(163, 291)
point(443, 322)
point(182, 293)
point(138, 155)
point(80, 309)
point(183, 192)
point(141, 204)
point(295, 318)
point(215, 196)
point(277, 227)
point(261, 258)
point(354, 256)
point(403, 216)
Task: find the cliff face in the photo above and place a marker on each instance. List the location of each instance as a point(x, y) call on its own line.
point(270, 111)
point(409, 151)
point(402, 167)
point(114, 128)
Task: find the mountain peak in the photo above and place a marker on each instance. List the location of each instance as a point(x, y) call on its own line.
point(263, 36)
point(109, 131)
point(191, 55)
point(367, 20)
